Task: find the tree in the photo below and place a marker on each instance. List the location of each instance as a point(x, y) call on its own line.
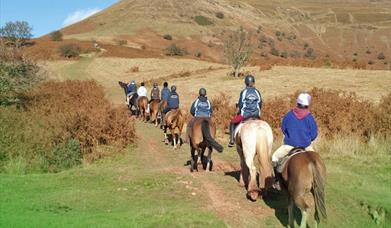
point(56, 35)
point(17, 32)
point(238, 49)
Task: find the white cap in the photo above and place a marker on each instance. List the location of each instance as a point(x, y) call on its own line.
point(304, 99)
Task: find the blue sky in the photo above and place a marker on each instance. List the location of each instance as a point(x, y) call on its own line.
point(49, 15)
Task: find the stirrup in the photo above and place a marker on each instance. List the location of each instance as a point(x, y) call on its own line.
point(231, 144)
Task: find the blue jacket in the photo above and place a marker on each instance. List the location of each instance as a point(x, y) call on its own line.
point(299, 132)
point(173, 100)
point(201, 107)
point(165, 94)
point(250, 103)
point(132, 88)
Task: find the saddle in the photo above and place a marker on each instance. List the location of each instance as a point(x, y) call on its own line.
point(284, 160)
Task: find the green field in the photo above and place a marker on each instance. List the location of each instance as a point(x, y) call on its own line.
point(150, 185)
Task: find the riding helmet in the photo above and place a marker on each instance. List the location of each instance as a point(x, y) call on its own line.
point(202, 92)
point(165, 84)
point(249, 80)
point(142, 83)
point(155, 84)
point(173, 88)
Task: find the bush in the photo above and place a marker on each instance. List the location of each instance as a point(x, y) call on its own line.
point(203, 21)
point(70, 50)
point(381, 56)
point(310, 54)
point(56, 35)
point(223, 111)
point(167, 37)
point(220, 15)
point(60, 124)
point(174, 50)
point(278, 33)
point(274, 52)
point(295, 54)
point(284, 54)
point(122, 42)
point(383, 117)
point(368, 52)
point(370, 62)
point(306, 46)
point(16, 33)
point(198, 54)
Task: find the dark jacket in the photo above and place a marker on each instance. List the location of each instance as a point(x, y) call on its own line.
point(173, 100)
point(250, 103)
point(201, 107)
point(155, 94)
point(132, 88)
point(299, 130)
point(165, 94)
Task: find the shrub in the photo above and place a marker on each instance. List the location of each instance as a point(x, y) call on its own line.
point(278, 33)
point(223, 111)
point(56, 35)
point(383, 117)
point(264, 54)
point(295, 54)
point(167, 37)
point(134, 69)
point(381, 56)
point(173, 50)
point(291, 37)
point(198, 54)
point(370, 62)
point(284, 54)
point(122, 42)
point(306, 46)
point(368, 52)
point(203, 21)
point(16, 33)
point(65, 155)
point(70, 50)
point(310, 54)
point(274, 51)
point(220, 15)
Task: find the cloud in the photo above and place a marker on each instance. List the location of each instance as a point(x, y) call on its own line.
point(79, 15)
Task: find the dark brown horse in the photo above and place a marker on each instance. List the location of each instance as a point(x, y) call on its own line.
point(132, 102)
point(201, 133)
point(304, 178)
point(154, 111)
point(142, 106)
point(174, 119)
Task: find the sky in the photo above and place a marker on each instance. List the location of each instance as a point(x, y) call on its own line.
point(46, 16)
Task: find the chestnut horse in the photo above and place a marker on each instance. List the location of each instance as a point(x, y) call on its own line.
point(174, 119)
point(142, 106)
point(304, 176)
point(154, 111)
point(201, 133)
point(254, 139)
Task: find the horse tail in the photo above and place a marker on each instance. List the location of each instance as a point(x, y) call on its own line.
point(318, 189)
point(208, 137)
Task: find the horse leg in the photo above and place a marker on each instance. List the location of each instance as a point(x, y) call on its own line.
point(209, 162)
point(192, 159)
point(174, 138)
point(244, 172)
point(302, 205)
point(252, 190)
point(165, 135)
point(290, 212)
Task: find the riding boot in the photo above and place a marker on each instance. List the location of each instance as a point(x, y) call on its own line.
point(277, 177)
point(231, 135)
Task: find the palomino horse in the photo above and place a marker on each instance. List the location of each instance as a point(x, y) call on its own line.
point(142, 105)
point(201, 133)
point(304, 177)
point(154, 111)
point(174, 119)
point(254, 139)
point(132, 102)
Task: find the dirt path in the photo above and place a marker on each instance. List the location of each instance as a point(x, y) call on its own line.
point(220, 188)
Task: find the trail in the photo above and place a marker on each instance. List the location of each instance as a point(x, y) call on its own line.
point(221, 191)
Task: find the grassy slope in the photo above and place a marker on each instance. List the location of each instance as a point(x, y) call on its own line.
point(150, 186)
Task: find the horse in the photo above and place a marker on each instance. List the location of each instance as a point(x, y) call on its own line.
point(163, 105)
point(132, 102)
point(142, 106)
point(254, 139)
point(200, 133)
point(304, 178)
point(154, 111)
point(174, 119)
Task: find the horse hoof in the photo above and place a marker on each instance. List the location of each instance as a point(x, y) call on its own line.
point(210, 165)
point(252, 195)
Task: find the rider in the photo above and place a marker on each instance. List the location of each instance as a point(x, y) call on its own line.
point(250, 105)
point(299, 128)
point(132, 89)
point(142, 91)
point(172, 102)
point(155, 94)
point(201, 107)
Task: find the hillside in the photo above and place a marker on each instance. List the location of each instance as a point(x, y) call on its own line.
point(339, 33)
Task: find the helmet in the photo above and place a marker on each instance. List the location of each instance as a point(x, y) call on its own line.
point(202, 92)
point(142, 83)
point(165, 84)
point(155, 84)
point(173, 88)
point(304, 99)
point(133, 82)
point(249, 80)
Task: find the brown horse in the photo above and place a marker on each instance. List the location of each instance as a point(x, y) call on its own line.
point(154, 111)
point(174, 119)
point(201, 133)
point(254, 139)
point(142, 106)
point(163, 105)
point(304, 178)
